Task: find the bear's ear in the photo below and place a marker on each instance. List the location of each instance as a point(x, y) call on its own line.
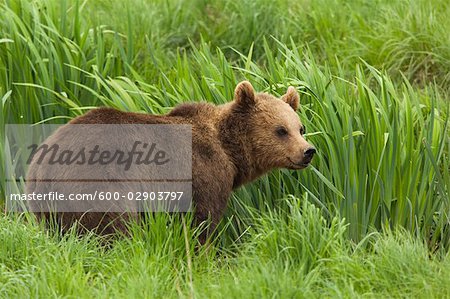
point(291, 97)
point(244, 94)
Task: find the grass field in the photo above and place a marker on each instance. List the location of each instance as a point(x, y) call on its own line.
point(369, 218)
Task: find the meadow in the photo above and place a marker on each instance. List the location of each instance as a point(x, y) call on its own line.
point(370, 216)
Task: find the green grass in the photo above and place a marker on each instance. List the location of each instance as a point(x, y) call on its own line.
point(295, 254)
point(374, 84)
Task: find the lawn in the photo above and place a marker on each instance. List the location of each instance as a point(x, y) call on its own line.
point(370, 216)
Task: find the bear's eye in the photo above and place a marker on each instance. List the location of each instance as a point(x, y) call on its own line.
point(281, 131)
point(302, 130)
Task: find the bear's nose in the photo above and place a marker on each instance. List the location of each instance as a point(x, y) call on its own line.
point(309, 152)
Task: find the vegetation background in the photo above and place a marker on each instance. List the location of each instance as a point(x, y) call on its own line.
point(369, 218)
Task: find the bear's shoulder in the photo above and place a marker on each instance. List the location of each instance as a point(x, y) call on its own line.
point(192, 109)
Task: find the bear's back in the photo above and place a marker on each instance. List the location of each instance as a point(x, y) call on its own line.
point(106, 115)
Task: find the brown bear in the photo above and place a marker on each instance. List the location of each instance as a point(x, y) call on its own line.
point(232, 144)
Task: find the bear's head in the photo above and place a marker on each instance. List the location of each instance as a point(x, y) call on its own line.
point(274, 132)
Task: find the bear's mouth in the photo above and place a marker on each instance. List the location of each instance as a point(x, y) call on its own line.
point(300, 165)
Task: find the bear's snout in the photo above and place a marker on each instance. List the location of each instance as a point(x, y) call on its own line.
point(309, 152)
point(308, 155)
point(304, 159)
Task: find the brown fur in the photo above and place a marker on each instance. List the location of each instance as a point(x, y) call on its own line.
point(232, 144)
